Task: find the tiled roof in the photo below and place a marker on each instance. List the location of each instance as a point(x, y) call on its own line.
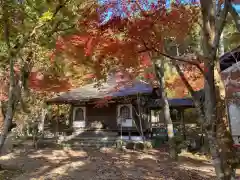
point(91, 92)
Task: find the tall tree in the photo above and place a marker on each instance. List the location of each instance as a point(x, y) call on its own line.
point(159, 70)
point(26, 26)
point(213, 20)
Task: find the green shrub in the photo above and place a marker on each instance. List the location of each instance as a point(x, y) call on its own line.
point(140, 146)
point(65, 145)
point(131, 145)
point(178, 143)
point(41, 143)
point(119, 144)
point(148, 145)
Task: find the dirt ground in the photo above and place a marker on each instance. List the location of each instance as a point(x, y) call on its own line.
point(104, 164)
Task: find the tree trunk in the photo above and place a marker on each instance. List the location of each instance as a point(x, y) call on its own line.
point(220, 140)
point(140, 116)
point(42, 121)
point(13, 52)
point(211, 121)
point(172, 145)
point(224, 137)
point(218, 134)
point(10, 106)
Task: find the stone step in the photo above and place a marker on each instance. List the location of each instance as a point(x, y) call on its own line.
point(82, 135)
point(89, 144)
point(94, 133)
point(95, 138)
point(96, 146)
point(91, 140)
point(84, 140)
point(94, 143)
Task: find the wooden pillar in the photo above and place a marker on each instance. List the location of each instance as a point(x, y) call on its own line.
point(56, 123)
point(71, 117)
point(181, 111)
point(149, 123)
point(129, 134)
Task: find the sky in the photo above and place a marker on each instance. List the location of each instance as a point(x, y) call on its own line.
point(237, 7)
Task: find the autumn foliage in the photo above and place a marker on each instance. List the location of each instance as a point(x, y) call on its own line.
point(193, 76)
point(38, 81)
point(130, 38)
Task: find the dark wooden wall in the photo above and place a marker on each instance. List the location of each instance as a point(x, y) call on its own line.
point(108, 115)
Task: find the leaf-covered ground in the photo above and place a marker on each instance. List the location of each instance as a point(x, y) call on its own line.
point(105, 164)
point(8, 174)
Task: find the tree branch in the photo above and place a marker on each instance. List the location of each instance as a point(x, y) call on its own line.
point(6, 24)
point(19, 45)
point(174, 58)
point(140, 8)
point(218, 8)
point(196, 99)
point(235, 17)
point(220, 22)
point(182, 76)
point(60, 6)
point(11, 96)
point(54, 29)
point(66, 29)
point(31, 5)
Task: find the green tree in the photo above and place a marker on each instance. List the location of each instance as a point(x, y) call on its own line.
point(231, 36)
point(30, 27)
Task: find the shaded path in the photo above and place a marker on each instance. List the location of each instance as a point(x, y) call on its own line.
point(105, 164)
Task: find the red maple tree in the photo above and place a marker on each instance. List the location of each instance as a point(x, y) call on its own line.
point(37, 81)
point(130, 38)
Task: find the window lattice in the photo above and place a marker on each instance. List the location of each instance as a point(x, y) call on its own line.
point(79, 116)
point(125, 112)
